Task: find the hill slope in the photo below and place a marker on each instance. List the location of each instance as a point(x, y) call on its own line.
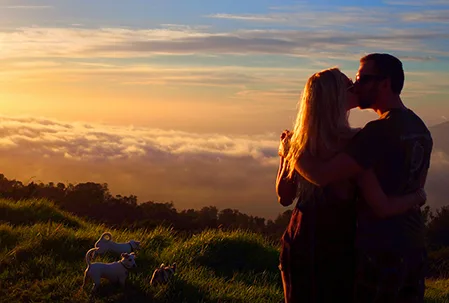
point(440, 133)
point(42, 260)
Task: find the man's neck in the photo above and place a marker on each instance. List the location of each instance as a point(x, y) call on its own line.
point(390, 103)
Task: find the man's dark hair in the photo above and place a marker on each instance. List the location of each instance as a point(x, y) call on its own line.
point(388, 66)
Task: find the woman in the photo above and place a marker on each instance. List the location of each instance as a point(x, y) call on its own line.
point(317, 256)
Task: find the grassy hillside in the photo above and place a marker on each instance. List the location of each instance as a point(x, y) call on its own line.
point(42, 260)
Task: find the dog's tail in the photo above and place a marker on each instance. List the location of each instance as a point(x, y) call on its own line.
point(89, 255)
point(105, 236)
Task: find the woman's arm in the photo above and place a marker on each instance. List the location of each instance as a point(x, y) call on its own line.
point(385, 206)
point(285, 188)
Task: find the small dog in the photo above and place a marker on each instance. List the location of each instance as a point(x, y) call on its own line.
point(114, 272)
point(105, 244)
point(163, 274)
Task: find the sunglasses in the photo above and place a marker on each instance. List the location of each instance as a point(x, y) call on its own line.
point(364, 79)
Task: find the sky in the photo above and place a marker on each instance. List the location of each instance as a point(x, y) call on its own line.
point(184, 101)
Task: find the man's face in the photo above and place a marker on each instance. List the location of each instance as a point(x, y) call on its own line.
point(366, 85)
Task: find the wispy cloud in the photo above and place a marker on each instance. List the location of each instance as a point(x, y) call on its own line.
point(417, 2)
point(346, 17)
point(240, 77)
point(314, 18)
point(248, 17)
point(434, 16)
point(274, 94)
point(28, 7)
point(119, 42)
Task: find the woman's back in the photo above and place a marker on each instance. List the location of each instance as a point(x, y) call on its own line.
point(318, 244)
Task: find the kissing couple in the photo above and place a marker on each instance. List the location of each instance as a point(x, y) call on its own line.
point(356, 233)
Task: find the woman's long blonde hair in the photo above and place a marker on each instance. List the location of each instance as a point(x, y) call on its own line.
point(322, 120)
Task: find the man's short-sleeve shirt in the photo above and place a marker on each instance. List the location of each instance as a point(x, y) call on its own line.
point(397, 147)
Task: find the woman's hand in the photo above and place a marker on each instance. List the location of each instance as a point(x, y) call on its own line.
point(284, 143)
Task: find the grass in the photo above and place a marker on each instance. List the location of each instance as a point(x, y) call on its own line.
point(437, 291)
point(42, 260)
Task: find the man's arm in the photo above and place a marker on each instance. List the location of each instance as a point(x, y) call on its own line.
point(321, 173)
point(422, 180)
point(385, 206)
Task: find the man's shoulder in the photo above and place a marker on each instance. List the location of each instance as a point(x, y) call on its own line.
point(419, 121)
point(375, 126)
point(418, 124)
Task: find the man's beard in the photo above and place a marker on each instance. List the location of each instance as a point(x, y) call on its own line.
point(365, 103)
point(368, 98)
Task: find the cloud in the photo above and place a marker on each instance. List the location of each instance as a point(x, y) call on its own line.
point(417, 2)
point(346, 17)
point(247, 17)
point(191, 169)
point(313, 18)
point(32, 7)
point(425, 84)
point(247, 82)
point(274, 94)
point(84, 142)
point(128, 43)
point(281, 42)
point(240, 77)
point(438, 179)
point(428, 16)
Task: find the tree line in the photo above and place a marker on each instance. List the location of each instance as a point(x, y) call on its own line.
point(95, 202)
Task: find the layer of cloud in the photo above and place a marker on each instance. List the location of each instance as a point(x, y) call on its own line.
point(98, 142)
point(250, 83)
point(346, 17)
point(239, 77)
point(417, 2)
point(193, 170)
point(120, 42)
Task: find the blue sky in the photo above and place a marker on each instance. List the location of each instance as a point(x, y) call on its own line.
point(195, 79)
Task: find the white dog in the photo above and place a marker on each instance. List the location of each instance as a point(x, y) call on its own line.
point(114, 272)
point(163, 274)
point(105, 244)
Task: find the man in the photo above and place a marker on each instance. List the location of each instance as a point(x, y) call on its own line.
point(397, 147)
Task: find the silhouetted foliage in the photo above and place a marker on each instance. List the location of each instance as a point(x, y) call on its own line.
point(438, 228)
point(95, 202)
